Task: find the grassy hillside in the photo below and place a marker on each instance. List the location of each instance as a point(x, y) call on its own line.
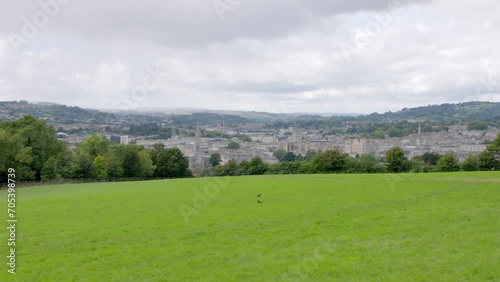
point(414, 227)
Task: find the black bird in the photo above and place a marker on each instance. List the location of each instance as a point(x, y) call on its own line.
point(258, 201)
point(258, 195)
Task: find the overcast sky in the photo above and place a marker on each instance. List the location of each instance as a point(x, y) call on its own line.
point(342, 56)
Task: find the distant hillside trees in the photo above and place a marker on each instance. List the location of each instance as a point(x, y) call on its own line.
point(477, 125)
point(149, 129)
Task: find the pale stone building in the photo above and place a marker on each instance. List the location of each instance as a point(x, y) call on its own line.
point(360, 146)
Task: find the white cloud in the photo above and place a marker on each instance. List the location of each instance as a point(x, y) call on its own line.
point(275, 56)
point(110, 79)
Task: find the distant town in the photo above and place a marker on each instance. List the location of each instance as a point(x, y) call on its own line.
point(243, 138)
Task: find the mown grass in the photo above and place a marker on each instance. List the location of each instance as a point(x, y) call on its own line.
point(414, 227)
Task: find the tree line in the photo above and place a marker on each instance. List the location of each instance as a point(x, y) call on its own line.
point(335, 161)
point(30, 147)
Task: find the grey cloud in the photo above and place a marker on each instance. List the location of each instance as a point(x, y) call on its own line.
point(278, 87)
point(268, 55)
point(188, 22)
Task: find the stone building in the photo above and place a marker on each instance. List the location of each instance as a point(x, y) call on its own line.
point(360, 146)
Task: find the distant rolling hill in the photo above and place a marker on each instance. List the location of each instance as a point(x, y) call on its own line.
point(445, 112)
point(461, 112)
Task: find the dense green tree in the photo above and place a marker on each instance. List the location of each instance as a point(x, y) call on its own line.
point(368, 157)
point(284, 156)
point(330, 161)
point(94, 146)
point(396, 160)
point(284, 168)
point(171, 163)
point(430, 158)
point(257, 166)
point(471, 163)
point(131, 161)
point(309, 155)
point(243, 168)
point(215, 159)
point(366, 166)
point(100, 166)
point(58, 165)
point(448, 162)
point(83, 165)
point(418, 165)
point(279, 154)
point(233, 145)
point(147, 168)
point(50, 169)
point(35, 142)
point(352, 165)
point(156, 151)
point(230, 168)
point(23, 164)
point(487, 161)
point(114, 162)
point(494, 147)
point(10, 146)
point(307, 168)
point(207, 172)
point(290, 157)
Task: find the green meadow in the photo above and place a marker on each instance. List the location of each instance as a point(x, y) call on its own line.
point(405, 227)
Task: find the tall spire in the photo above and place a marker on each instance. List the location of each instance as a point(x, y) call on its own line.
point(197, 141)
point(419, 135)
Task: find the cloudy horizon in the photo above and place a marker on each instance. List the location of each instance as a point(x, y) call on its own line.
point(282, 57)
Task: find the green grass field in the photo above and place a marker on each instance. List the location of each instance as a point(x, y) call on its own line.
point(414, 227)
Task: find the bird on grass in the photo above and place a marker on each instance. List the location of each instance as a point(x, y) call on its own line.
point(258, 201)
point(258, 195)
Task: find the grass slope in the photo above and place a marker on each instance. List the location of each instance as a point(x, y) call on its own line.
point(415, 227)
